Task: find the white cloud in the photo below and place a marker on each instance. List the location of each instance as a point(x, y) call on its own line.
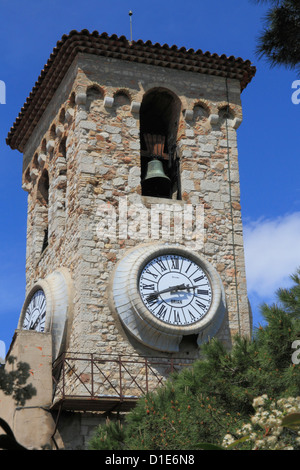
point(272, 251)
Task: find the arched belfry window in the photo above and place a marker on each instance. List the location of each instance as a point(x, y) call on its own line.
point(63, 149)
point(94, 99)
point(159, 118)
point(43, 198)
point(43, 188)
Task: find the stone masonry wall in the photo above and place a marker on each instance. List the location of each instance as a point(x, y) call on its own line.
point(91, 150)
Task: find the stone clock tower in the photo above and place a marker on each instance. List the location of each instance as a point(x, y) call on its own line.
point(135, 251)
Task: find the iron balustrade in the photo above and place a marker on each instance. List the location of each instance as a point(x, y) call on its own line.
point(89, 376)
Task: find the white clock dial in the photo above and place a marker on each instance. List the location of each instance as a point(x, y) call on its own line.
point(163, 292)
point(35, 315)
point(175, 289)
point(48, 308)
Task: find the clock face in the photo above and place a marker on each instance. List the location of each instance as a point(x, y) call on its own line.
point(175, 289)
point(35, 315)
point(162, 293)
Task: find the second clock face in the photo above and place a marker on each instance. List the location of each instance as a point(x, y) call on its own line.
point(175, 289)
point(35, 314)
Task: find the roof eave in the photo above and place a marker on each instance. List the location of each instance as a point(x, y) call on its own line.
point(117, 47)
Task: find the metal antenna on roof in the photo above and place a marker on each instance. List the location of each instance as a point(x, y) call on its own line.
point(130, 15)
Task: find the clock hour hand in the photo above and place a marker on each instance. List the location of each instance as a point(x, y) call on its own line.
point(34, 325)
point(192, 287)
point(154, 295)
point(37, 321)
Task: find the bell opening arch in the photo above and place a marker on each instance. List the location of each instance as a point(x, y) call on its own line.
point(159, 122)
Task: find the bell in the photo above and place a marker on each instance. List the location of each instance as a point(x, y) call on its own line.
point(156, 182)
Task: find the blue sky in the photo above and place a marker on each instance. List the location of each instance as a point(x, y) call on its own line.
point(268, 138)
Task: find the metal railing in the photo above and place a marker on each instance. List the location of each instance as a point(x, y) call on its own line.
point(79, 376)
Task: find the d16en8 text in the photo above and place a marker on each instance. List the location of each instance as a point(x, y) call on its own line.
point(169, 459)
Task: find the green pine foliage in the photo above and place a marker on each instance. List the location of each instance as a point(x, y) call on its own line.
point(279, 41)
point(110, 436)
point(215, 396)
point(290, 298)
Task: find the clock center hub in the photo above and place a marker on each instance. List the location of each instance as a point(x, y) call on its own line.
point(178, 293)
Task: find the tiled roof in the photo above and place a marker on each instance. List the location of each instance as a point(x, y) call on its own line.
point(120, 48)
